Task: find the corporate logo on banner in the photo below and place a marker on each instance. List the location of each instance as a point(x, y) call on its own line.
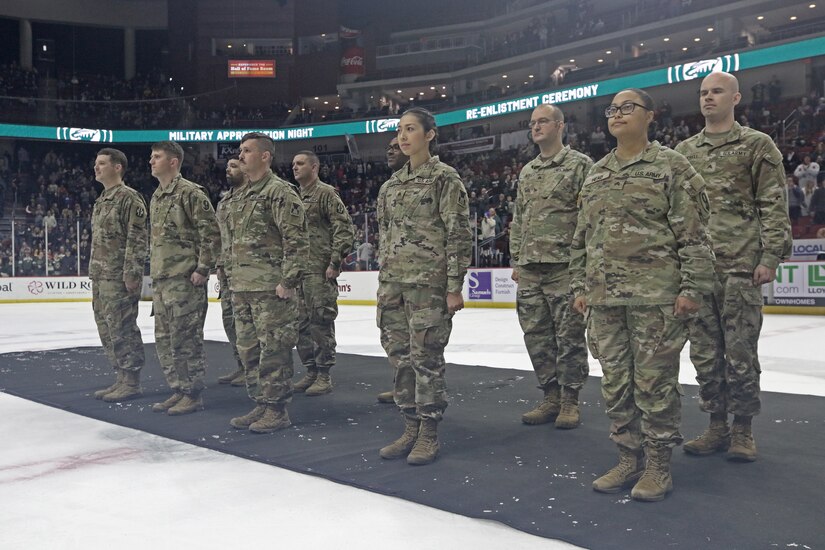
point(696, 69)
point(84, 134)
point(383, 125)
point(480, 285)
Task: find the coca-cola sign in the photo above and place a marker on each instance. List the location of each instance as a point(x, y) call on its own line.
point(352, 62)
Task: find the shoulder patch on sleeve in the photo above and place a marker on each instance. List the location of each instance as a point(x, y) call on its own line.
point(206, 205)
point(340, 208)
point(294, 209)
point(140, 212)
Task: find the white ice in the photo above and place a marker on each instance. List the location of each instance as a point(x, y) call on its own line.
point(71, 482)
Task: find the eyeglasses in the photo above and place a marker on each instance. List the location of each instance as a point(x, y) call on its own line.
point(391, 148)
point(625, 108)
point(540, 122)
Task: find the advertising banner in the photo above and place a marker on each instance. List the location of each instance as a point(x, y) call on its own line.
point(45, 289)
point(797, 284)
point(807, 250)
point(251, 68)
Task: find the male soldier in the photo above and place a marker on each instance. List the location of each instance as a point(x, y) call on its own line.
point(269, 247)
point(119, 240)
point(395, 160)
point(751, 235)
point(235, 178)
point(185, 244)
point(330, 240)
point(540, 238)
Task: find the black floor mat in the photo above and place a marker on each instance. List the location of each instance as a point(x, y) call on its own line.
point(533, 478)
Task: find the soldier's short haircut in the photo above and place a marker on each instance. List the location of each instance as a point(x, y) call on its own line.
point(313, 158)
point(116, 156)
point(427, 121)
point(558, 114)
point(265, 143)
point(171, 148)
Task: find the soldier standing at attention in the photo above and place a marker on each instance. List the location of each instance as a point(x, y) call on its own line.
point(267, 254)
point(425, 245)
point(640, 264)
point(235, 177)
point(751, 235)
point(119, 241)
point(395, 160)
point(185, 244)
point(330, 240)
point(546, 211)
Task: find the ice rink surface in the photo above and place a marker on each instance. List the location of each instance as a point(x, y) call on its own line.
point(67, 481)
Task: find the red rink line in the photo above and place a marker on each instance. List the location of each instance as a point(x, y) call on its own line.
point(71, 462)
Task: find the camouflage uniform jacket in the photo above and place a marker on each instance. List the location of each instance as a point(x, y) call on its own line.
point(222, 216)
point(330, 227)
point(546, 208)
point(641, 236)
point(185, 234)
point(119, 235)
point(269, 236)
point(745, 179)
point(424, 227)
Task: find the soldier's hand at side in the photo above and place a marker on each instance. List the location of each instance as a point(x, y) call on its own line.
point(332, 273)
point(514, 276)
point(684, 307)
point(284, 293)
point(580, 305)
point(455, 302)
point(198, 279)
point(762, 275)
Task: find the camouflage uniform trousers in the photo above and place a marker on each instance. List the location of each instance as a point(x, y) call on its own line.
point(180, 312)
point(116, 310)
point(553, 332)
point(415, 328)
point(267, 330)
point(318, 309)
point(638, 348)
point(228, 318)
point(723, 346)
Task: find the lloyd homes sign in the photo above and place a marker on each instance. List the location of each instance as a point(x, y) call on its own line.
point(797, 284)
point(737, 61)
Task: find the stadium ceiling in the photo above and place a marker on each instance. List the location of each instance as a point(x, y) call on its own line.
point(759, 20)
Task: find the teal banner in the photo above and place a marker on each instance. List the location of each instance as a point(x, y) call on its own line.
point(733, 62)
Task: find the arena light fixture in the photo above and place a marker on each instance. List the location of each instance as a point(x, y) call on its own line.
point(641, 44)
point(229, 45)
point(600, 60)
point(710, 29)
point(504, 76)
point(420, 93)
point(608, 52)
point(412, 99)
point(697, 39)
point(443, 95)
point(337, 107)
point(529, 76)
point(793, 18)
point(684, 49)
point(315, 98)
point(760, 18)
point(812, 6)
point(666, 39)
point(326, 102)
point(432, 87)
point(399, 91)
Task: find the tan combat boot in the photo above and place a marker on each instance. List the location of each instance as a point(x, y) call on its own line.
point(304, 383)
point(321, 386)
point(129, 388)
point(228, 378)
point(243, 422)
point(187, 405)
point(100, 393)
point(425, 449)
point(547, 410)
point(622, 476)
point(386, 397)
point(715, 439)
point(742, 446)
point(656, 481)
point(402, 446)
point(274, 418)
point(168, 404)
point(568, 417)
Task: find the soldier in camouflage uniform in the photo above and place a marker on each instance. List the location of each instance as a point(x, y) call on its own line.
point(640, 263)
point(330, 240)
point(425, 244)
point(395, 160)
point(235, 178)
point(540, 238)
point(119, 241)
point(185, 245)
point(751, 235)
point(268, 250)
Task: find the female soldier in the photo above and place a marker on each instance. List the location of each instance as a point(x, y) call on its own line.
point(641, 261)
point(424, 250)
